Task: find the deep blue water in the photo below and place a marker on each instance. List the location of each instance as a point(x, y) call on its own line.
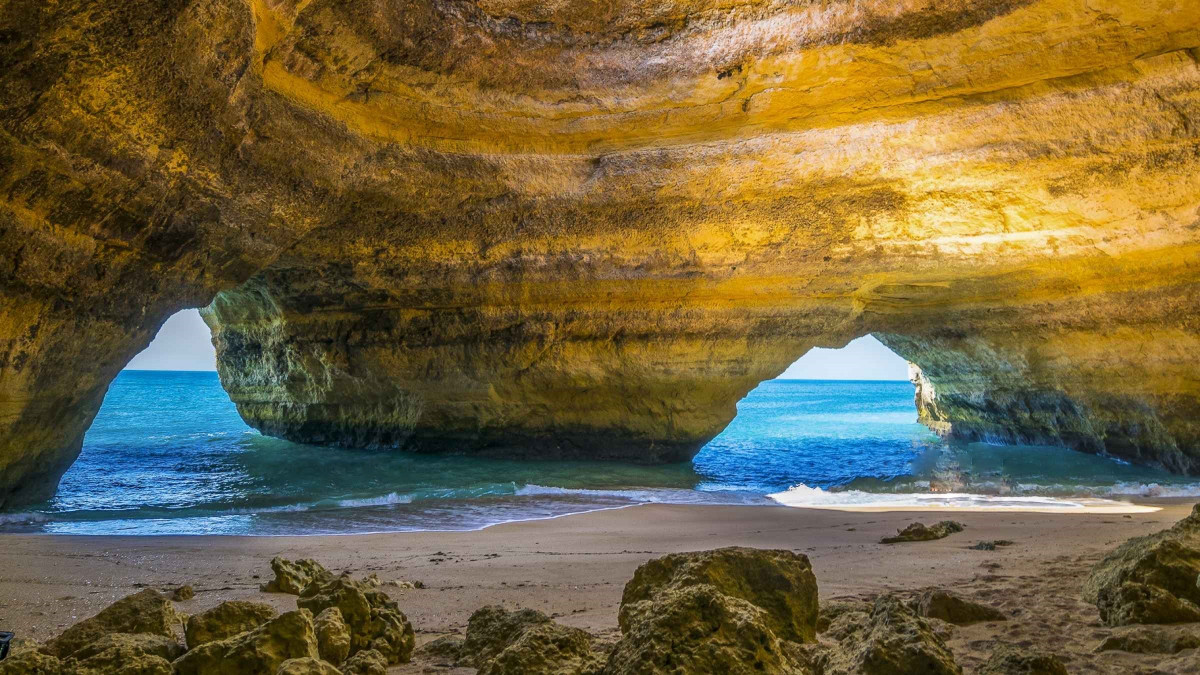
point(168, 453)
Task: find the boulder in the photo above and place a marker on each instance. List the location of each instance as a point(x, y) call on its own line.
point(262, 650)
point(291, 576)
point(699, 629)
point(830, 611)
point(446, 649)
point(166, 648)
point(374, 620)
point(183, 593)
point(492, 628)
point(366, 662)
point(944, 605)
point(781, 583)
point(147, 611)
point(892, 640)
point(31, 663)
point(307, 666)
point(1012, 660)
point(921, 532)
point(1151, 640)
point(1151, 579)
point(119, 660)
point(333, 637)
point(226, 620)
point(503, 642)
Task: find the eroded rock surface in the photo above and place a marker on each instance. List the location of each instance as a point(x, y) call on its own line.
point(588, 229)
point(1151, 579)
point(922, 532)
point(949, 607)
point(731, 610)
point(1151, 640)
point(226, 620)
point(333, 637)
point(261, 650)
point(374, 620)
point(890, 640)
point(292, 576)
point(1013, 660)
point(504, 642)
point(146, 612)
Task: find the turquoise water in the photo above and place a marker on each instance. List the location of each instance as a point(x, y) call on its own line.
point(168, 454)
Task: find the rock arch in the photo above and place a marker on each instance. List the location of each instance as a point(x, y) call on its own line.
point(505, 223)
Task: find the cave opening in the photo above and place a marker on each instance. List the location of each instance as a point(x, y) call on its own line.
point(833, 417)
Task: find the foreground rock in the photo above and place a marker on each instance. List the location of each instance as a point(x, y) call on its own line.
point(291, 576)
point(1012, 660)
point(944, 605)
point(307, 666)
point(333, 637)
point(118, 648)
point(830, 611)
point(262, 650)
point(226, 620)
point(1151, 640)
point(504, 642)
point(1152, 579)
point(890, 640)
point(373, 619)
point(366, 662)
point(919, 532)
point(732, 610)
point(147, 611)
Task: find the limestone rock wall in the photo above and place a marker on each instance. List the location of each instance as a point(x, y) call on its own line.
point(580, 229)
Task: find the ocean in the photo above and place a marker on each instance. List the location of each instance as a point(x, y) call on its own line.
point(168, 454)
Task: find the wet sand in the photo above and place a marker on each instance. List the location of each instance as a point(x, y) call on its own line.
point(575, 568)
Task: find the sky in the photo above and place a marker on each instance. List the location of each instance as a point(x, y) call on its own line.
point(184, 343)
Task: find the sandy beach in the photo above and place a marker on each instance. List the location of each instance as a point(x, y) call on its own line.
point(575, 568)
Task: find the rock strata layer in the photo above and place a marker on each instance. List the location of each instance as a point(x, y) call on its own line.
point(588, 229)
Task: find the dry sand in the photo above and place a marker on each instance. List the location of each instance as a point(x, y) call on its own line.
point(574, 568)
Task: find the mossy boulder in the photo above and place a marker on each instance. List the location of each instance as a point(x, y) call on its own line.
point(147, 611)
point(922, 532)
point(307, 666)
point(373, 619)
point(291, 576)
point(226, 620)
point(504, 642)
point(891, 640)
point(1152, 579)
point(1013, 660)
point(1151, 640)
point(31, 663)
point(261, 650)
point(333, 637)
point(944, 605)
point(366, 662)
point(781, 583)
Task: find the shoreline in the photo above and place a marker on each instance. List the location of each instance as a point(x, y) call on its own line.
point(575, 567)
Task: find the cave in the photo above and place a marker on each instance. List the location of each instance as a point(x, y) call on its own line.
point(575, 230)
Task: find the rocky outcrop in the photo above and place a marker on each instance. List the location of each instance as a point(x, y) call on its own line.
point(921, 532)
point(890, 640)
point(1151, 579)
point(366, 662)
point(373, 619)
point(261, 650)
point(588, 229)
point(145, 612)
point(333, 637)
point(226, 620)
point(291, 576)
point(307, 666)
point(1013, 660)
point(730, 610)
point(944, 605)
point(504, 642)
point(1151, 640)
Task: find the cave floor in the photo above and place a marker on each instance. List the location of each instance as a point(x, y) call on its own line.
point(575, 568)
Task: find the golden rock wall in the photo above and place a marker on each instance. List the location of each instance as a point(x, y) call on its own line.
point(587, 229)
